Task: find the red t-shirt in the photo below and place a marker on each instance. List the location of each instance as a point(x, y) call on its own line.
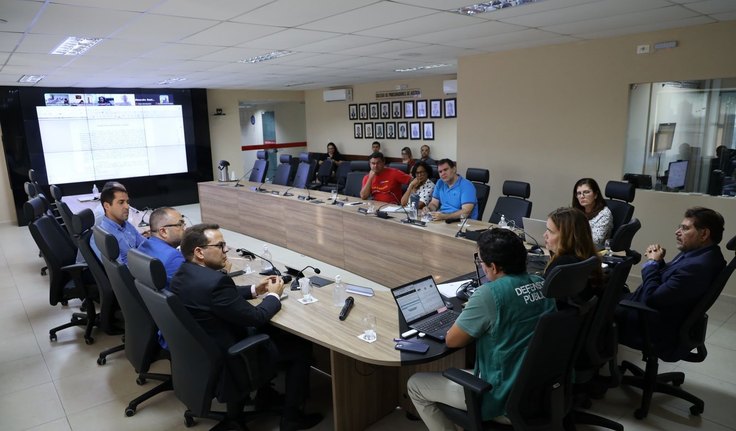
point(388, 181)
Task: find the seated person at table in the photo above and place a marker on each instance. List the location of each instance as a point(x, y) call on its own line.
point(674, 288)
point(332, 154)
point(99, 211)
point(569, 241)
point(453, 195)
point(407, 158)
point(167, 229)
point(115, 203)
point(500, 319)
point(587, 197)
point(222, 309)
point(382, 183)
point(421, 185)
point(375, 147)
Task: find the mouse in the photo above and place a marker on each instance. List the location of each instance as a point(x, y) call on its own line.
point(536, 250)
point(449, 305)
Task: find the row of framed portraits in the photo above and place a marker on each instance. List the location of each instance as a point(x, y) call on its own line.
point(433, 108)
point(414, 130)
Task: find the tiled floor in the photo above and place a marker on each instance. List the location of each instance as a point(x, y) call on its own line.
point(59, 386)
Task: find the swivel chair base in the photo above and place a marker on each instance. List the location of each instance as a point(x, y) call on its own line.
point(166, 385)
point(87, 319)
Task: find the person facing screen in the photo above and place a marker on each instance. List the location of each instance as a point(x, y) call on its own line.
point(587, 197)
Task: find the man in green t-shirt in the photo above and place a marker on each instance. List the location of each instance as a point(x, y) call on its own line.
point(500, 317)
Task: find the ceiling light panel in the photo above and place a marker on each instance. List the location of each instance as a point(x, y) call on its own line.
point(75, 45)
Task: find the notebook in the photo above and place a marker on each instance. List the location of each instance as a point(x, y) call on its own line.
point(534, 231)
point(423, 308)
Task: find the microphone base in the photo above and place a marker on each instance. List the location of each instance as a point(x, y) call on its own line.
point(238, 185)
point(271, 272)
point(288, 194)
point(414, 222)
point(382, 214)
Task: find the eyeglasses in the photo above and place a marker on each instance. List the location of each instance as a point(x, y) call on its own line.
point(684, 228)
point(221, 245)
point(584, 192)
point(181, 223)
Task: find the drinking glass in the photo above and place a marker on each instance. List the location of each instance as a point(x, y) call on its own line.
point(607, 246)
point(369, 327)
point(306, 288)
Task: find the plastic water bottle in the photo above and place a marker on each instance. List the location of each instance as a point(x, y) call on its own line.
point(95, 191)
point(502, 223)
point(413, 211)
point(265, 264)
point(338, 292)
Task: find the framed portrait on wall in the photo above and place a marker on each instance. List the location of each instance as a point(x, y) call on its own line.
point(435, 108)
point(378, 131)
point(415, 130)
point(373, 109)
point(396, 110)
point(408, 109)
point(450, 108)
point(385, 110)
point(421, 109)
point(368, 130)
point(363, 111)
point(428, 130)
point(358, 130)
point(403, 130)
point(353, 111)
point(391, 130)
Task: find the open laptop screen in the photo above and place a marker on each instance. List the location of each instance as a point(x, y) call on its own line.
point(418, 299)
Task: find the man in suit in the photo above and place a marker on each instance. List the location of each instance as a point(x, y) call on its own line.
point(222, 309)
point(673, 288)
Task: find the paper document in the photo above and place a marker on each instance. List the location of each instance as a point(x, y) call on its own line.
point(392, 209)
point(449, 290)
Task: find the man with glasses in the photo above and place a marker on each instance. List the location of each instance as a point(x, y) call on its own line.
point(167, 230)
point(674, 288)
point(222, 310)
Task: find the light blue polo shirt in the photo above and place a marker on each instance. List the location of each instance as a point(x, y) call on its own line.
point(452, 198)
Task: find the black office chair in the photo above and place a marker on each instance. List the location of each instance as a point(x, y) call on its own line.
point(514, 204)
point(360, 166)
point(403, 167)
point(283, 170)
point(480, 177)
point(691, 337)
point(64, 212)
point(196, 361)
point(623, 237)
point(324, 173)
point(341, 176)
point(353, 183)
point(541, 397)
point(620, 194)
point(66, 278)
point(141, 334)
point(304, 172)
point(109, 317)
point(260, 167)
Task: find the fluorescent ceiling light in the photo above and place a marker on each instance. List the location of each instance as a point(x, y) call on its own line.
point(431, 66)
point(490, 6)
point(31, 78)
point(266, 57)
point(171, 80)
point(75, 45)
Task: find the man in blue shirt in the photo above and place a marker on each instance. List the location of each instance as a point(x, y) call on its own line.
point(167, 229)
point(453, 196)
point(115, 203)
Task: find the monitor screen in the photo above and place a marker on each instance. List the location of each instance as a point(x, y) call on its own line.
point(677, 174)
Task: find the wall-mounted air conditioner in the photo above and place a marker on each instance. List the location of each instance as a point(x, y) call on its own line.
point(449, 86)
point(338, 95)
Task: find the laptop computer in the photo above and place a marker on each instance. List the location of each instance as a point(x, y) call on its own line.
point(534, 231)
point(423, 308)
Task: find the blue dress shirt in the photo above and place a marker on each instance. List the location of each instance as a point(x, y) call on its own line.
point(128, 237)
point(168, 255)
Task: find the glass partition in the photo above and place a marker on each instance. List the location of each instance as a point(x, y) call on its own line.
point(681, 136)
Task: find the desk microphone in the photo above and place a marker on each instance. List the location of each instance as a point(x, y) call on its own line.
point(273, 271)
point(459, 232)
point(260, 189)
point(237, 183)
point(300, 274)
point(383, 214)
point(245, 253)
point(309, 195)
point(349, 301)
point(286, 193)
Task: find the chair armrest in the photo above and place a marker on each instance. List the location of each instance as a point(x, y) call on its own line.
point(467, 380)
point(77, 267)
point(638, 306)
point(246, 344)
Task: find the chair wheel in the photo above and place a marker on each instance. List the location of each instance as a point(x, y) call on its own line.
point(189, 419)
point(89, 340)
point(640, 414)
point(141, 381)
point(129, 412)
point(101, 360)
point(52, 337)
point(696, 410)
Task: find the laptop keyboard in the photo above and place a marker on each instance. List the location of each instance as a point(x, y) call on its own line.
point(437, 322)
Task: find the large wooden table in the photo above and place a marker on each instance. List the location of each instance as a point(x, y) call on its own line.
point(383, 250)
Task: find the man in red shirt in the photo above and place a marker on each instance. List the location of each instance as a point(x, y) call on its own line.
point(383, 183)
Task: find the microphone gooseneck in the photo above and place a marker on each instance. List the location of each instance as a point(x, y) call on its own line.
point(237, 183)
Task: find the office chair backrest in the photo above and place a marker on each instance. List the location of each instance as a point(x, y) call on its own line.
point(341, 175)
point(403, 167)
point(324, 173)
point(624, 235)
point(620, 194)
point(566, 281)
point(360, 166)
point(282, 174)
point(692, 331)
point(82, 224)
point(258, 174)
point(56, 249)
point(196, 361)
point(514, 204)
point(480, 177)
point(304, 173)
point(64, 212)
point(141, 338)
point(353, 184)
